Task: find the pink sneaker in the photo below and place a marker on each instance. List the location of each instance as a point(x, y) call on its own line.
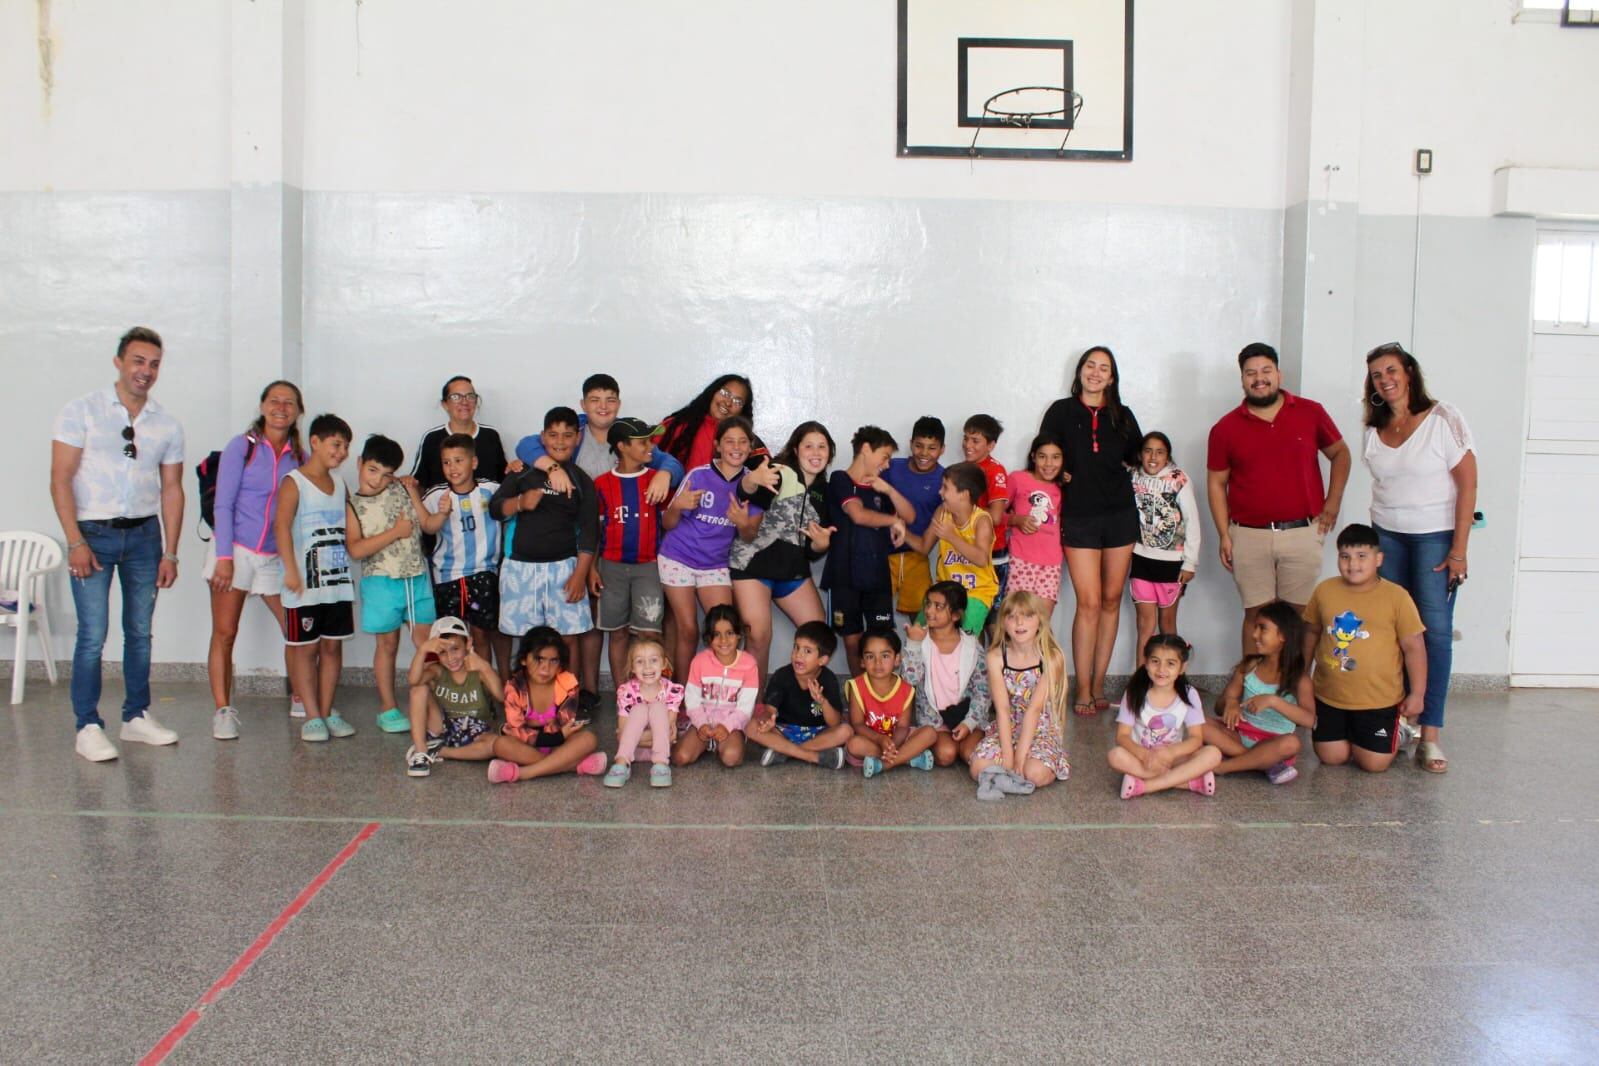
point(1204, 784)
point(594, 764)
point(503, 771)
point(1132, 786)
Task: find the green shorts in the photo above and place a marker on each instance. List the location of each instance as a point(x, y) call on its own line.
point(389, 602)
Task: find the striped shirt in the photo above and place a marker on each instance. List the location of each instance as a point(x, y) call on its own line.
point(629, 526)
point(469, 542)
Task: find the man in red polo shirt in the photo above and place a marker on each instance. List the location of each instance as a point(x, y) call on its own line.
point(1265, 485)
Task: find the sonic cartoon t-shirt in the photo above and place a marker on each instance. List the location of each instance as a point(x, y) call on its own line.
point(1359, 665)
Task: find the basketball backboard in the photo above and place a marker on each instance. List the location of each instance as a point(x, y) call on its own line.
point(962, 62)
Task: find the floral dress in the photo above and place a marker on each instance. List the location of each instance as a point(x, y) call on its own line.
point(1048, 748)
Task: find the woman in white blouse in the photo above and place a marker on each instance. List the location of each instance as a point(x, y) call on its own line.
point(1423, 496)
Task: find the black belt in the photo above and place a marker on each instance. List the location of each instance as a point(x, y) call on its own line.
point(118, 523)
point(1298, 523)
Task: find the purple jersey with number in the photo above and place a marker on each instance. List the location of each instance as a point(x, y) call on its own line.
point(704, 535)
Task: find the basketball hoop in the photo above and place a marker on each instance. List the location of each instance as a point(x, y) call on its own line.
point(1022, 106)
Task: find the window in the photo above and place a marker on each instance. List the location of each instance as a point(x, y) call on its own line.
point(1565, 284)
point(1564, 12)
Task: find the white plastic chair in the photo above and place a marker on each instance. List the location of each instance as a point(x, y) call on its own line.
point(25, 559)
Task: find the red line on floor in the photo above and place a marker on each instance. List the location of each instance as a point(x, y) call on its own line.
point(242, 964)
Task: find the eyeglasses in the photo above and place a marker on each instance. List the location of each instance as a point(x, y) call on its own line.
point(129, 449)
point(462, 397)
point(733, 399)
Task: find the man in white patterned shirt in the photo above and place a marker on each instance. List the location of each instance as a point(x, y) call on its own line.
point(116, 466)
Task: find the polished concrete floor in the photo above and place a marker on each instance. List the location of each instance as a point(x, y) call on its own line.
point(790, 915)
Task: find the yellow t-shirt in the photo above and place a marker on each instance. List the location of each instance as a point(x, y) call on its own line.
point(1359, 665)
point(980, 582)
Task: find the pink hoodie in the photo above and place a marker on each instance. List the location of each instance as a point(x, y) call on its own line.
point(721, 695)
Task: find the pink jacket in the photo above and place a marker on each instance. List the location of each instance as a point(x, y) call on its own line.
point(721, 695)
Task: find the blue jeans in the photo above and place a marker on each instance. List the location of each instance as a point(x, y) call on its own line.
point(1408, 560)
point(135, 556)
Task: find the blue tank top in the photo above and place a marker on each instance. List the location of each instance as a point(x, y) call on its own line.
point(1265, 721)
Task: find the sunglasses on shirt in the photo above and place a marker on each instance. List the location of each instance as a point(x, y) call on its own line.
point(129, 449)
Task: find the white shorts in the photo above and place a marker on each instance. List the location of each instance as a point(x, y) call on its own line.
point(254, 572)
point(675, 575)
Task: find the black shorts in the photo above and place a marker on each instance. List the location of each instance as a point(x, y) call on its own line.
point(1375, 731)
point(855, 612)
point(318, 621)
point(1160, 571)
point(1097, 532)
point(474, 599)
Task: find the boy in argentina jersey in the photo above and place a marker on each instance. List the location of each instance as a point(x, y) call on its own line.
point(466, 553)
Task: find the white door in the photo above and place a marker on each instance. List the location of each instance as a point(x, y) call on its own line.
point(1557, 573)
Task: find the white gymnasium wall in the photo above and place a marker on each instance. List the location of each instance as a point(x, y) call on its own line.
point(526, 192)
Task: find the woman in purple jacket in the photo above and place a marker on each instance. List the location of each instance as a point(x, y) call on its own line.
point(243, 558)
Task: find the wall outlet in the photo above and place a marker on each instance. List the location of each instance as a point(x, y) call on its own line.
point(1423, 160)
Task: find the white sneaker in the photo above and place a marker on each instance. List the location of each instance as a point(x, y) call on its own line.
point(296, 708)
point(225, 724)
point(93, 745)
point(146, 730)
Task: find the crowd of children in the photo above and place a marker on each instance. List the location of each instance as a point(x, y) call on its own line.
point(593, 532)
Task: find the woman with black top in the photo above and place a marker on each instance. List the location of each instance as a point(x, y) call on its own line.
point(459, 399)
point(1098, 521)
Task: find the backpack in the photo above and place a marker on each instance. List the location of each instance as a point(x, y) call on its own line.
point(205, 471)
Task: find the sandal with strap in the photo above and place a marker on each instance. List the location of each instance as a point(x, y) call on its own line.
point(1101, 704)
point(1430, 757)
point(1085, 709)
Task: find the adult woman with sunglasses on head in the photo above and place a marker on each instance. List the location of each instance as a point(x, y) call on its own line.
point(690, 435)
point(242, 560)
point(460, 400)
point(1423, 499)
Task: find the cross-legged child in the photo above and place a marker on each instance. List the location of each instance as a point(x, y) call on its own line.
point(544, 732)
point(722, 686)
point(962, 538)
point(385, 533)
point(595, 455)
point(919, 477)
point(451, 706)
point(466, 553)
point(1363, 639)
point(881, 711)
point(802, 716)
point(318, 593)
point(1269, 696)
point(544, 580)
point(1025, 746)
point(1160, 729)
point(646, 700)
point(947, 668)
point(870, 519)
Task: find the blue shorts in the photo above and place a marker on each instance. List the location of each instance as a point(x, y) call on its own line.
point(534, 594)
point(460, 730)
point(798, 734)
point(389, 602)
point(779, 589)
